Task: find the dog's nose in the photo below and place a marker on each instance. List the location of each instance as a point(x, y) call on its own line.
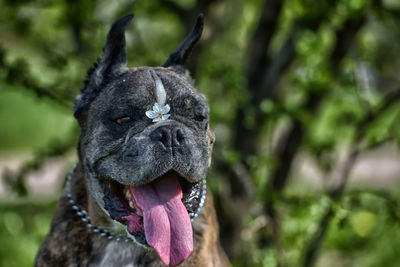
point(169, 137)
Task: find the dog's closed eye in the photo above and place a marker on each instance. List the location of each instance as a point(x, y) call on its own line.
point(123, 120)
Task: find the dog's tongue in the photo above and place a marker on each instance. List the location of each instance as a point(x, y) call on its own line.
point(166, 221)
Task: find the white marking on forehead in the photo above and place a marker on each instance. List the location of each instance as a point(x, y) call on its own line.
point(161, 94)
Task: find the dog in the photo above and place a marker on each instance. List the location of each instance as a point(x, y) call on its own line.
point(138, 196)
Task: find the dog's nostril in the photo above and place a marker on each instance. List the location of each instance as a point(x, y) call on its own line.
point(162, 135)
point(156, 135)
point(168, 136)
point(179, 136)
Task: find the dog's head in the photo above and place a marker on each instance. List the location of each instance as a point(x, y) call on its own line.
point(146, 144)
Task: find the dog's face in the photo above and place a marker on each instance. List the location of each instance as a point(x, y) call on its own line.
point(146, 175)
point(120, 140)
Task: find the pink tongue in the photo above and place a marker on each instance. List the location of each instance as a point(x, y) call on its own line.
point(166, 221)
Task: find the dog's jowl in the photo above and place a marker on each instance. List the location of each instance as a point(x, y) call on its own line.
point(138, 195)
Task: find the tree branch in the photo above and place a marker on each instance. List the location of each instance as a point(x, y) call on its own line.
point(260, 42)
point(236, 197)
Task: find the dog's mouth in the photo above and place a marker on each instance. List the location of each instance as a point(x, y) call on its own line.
point(158, 214)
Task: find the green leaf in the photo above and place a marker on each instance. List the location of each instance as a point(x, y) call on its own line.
point(363, 222)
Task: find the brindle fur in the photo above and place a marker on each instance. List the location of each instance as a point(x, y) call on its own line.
point(128, 155)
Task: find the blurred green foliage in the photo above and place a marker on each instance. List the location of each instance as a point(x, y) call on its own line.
point(314, 79)
point(28, 123)
point(23, 226)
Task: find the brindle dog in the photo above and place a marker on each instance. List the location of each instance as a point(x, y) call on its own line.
point(144, 150)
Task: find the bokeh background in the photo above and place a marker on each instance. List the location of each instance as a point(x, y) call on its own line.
point(305, 105)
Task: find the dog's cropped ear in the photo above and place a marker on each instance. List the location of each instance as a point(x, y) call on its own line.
point(112, 63)
point(181, 54)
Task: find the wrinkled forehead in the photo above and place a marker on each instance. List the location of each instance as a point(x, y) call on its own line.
point(139, 85)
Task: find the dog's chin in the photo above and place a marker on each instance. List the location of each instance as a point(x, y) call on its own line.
point(124, 207)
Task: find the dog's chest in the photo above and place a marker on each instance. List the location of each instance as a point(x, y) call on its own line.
point(122, 254)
